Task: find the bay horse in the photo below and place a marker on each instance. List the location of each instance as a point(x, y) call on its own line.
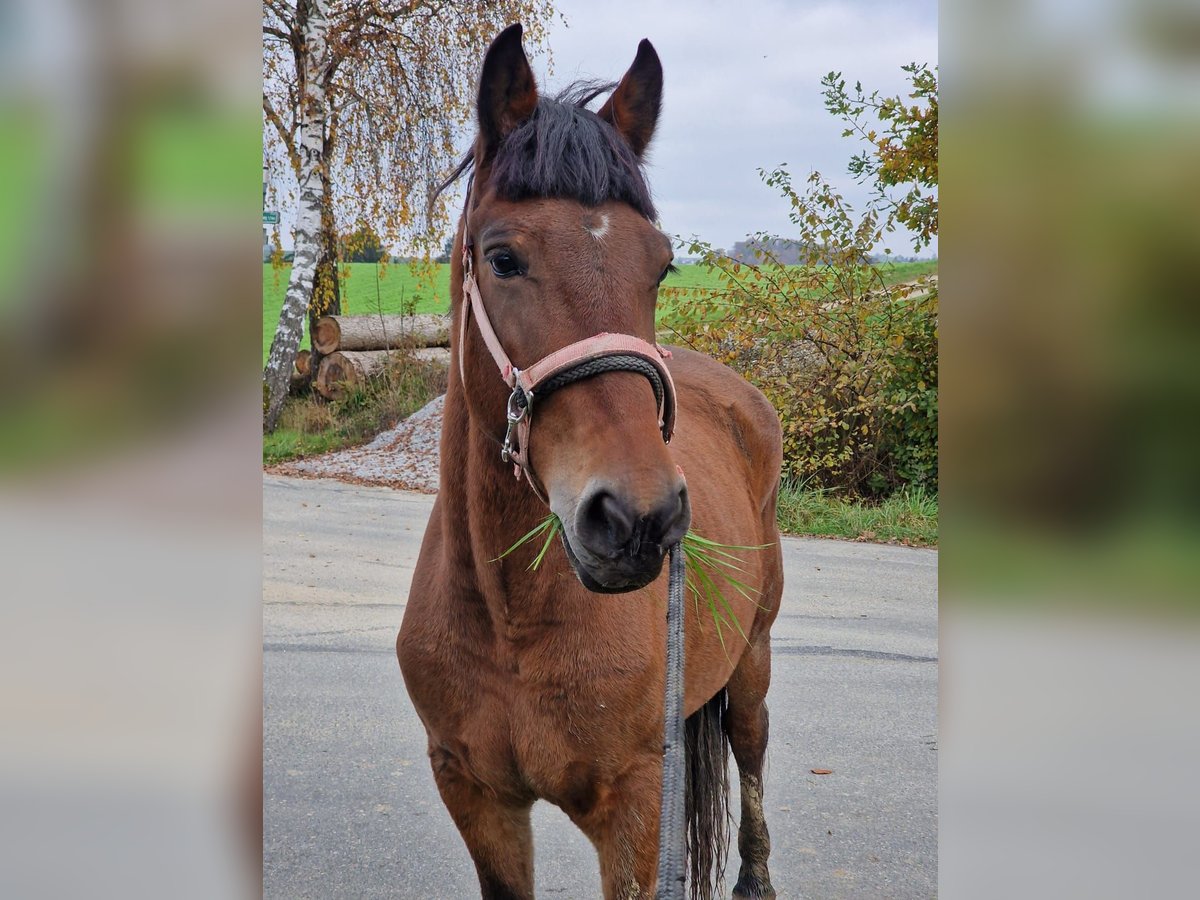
point(547, 683)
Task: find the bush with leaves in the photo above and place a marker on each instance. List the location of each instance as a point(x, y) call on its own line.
point(904, 147)
point(844, 349)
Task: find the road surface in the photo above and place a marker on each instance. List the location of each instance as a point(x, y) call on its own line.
point(350, 805)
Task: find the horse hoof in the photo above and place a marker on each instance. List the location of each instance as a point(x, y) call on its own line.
point(753, 889)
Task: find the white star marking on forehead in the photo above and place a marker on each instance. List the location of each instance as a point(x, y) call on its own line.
point(598, 231)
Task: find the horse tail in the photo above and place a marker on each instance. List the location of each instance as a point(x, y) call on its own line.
point(706, 748)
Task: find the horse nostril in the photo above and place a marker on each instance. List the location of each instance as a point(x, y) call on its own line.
point(605, 522)
point(667, 525)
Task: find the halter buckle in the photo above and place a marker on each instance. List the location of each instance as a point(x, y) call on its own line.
point(515, 414)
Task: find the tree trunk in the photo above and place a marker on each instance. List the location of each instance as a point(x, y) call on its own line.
point(278, 370)
point(327, 288)
point(379, 332)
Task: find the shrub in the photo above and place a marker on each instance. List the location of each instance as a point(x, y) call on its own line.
point(848, 359)
point(845, 350)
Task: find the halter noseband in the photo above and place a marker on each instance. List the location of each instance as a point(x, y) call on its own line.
point(600, 353)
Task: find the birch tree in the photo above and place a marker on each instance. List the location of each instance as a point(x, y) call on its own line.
point(309, 154)
point(398, 84)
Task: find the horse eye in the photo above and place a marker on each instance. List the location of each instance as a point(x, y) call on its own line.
point(504, 265)
point(669, 270)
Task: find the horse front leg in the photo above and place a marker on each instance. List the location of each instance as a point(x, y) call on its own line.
point(497, 831)
point(747, 726)
point(621, 820)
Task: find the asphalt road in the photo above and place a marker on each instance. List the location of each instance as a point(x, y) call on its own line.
point(350, 805)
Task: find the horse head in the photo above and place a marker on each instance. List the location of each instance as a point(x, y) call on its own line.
point(561, 247)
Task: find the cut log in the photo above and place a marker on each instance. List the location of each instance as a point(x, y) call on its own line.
point(439, 356)
point(380, 332)
point(342, 369)
point(304, 362)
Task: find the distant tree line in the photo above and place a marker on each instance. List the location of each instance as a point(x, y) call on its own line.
point(781, 251)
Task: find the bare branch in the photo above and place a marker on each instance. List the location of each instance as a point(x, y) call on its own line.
point(282, 11)
point(285, 134)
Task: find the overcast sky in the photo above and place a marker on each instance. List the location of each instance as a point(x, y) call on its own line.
point(743, 91)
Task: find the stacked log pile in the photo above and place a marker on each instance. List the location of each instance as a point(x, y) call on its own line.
point(352, 349)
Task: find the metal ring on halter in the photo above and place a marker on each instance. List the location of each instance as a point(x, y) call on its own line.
point(516, 412)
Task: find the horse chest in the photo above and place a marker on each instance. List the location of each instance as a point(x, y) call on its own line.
point(554, 713)
point(573, 740)
point(562, 738)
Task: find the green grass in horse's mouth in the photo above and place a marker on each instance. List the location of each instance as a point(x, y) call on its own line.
point(707, 559)
point(551, 527)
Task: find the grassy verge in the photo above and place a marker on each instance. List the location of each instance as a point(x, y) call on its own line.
point(294, 443)
point(309, 425)
point(909, 517)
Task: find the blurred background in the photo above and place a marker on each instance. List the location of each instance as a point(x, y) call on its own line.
point(130, 447)
point(130, 166)
point(1070, 348)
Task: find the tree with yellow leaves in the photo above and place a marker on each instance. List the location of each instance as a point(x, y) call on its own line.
point(362, 101)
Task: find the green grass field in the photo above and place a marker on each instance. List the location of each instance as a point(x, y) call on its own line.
point(703, 277)
point(396, 287)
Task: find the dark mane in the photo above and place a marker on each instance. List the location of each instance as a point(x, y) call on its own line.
point(566, 151)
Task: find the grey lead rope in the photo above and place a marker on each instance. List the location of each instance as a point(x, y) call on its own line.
point(672, 842)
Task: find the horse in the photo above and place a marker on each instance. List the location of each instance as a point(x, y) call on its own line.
point(546, 682)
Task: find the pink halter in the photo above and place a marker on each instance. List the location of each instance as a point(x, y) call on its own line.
point(595, 355)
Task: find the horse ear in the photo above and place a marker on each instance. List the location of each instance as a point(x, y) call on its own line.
point(634, 106)
point(507, 90)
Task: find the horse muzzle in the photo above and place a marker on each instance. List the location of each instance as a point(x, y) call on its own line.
point(614, 545)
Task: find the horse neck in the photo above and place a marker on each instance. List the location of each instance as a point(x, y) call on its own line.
point(485, 510)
